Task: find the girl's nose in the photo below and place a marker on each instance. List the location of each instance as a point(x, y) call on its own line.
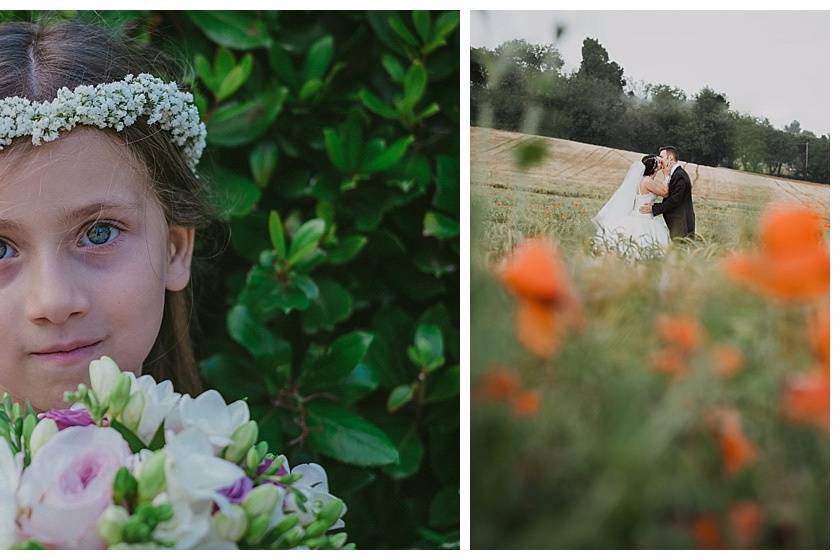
point(54, 293)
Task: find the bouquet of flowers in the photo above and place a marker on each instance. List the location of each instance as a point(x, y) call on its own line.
point(133, 464)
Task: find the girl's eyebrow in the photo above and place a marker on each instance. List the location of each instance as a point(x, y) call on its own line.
point(71, 216)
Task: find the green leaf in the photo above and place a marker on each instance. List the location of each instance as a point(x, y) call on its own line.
point(266, 297)
point(410, 448)
point(275, 231)
point(400, 396)
point(445, 25)
point(205, 72)
point(237, 123)
point(232, 29)
point(376, 105)
point(396, 23)
point(134, 442)
point(437, 225)
point(306, 240)
point(429, 111)
point(443, 385)
point(345, 353)
point(224, 62)
point(334, 150)
point(345, 436)
point(332, 305)
point(428, 347)
point(389, 157)
point(318, 59)
point(447, 194)
point(263, 161)
point(347, 249)
point(235, 78)
point(310, 88)
point(234, 194)
point(445, 507)
point(281, 65)
point(422, 23)
point(257, 339)
point(393, 67)
point(414, 85)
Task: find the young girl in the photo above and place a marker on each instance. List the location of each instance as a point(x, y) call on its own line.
point(97, 225)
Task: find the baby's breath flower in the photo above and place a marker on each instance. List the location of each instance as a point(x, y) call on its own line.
point(115, 105)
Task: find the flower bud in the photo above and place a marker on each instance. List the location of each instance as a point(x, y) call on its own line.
point(120, 393)
point(252, 460)
point(316, 529)
point(103, 374)
point(44, 430)
point(293, 536)
point(243, 438)
point(257, 528)
point(151, 476)
point(133, 412)
point(337, 540)
point(331, 512)
point(260, 500)
point(231, 526)
point(110, 524)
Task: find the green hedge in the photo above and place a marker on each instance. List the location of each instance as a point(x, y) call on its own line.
point(333, 147)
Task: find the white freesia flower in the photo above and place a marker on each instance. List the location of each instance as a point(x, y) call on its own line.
point(160, 399)
point(115, 105)
point(103, 374)
point(190, 523)
point(210, 414)
point(193, 472)
point(312, 484)
point(10, 469)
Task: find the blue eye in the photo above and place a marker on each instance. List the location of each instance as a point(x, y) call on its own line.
point(3, 248)
point(100, 233)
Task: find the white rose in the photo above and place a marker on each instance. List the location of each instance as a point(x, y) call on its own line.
point(160, 399)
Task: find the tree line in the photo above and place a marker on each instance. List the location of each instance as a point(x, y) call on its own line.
point(523, 87)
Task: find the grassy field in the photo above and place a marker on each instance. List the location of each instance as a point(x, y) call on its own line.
point(598, 445)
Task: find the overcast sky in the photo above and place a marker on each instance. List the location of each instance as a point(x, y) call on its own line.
point(769, 64)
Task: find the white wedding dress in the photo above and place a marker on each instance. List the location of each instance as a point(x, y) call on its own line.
point(623, 228)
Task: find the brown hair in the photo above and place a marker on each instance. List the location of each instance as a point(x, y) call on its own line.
point(36, 60)
point(671, 150)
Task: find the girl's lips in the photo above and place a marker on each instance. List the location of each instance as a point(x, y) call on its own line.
point(72, 357)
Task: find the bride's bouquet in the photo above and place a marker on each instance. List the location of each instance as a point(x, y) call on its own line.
point(133, 464)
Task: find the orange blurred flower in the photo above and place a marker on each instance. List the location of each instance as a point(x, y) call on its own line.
point(526, 403)
point(727, 359)
point(684, 332)
point(499, 384)
point(792, 262)
point(707, 532)
point(806, 399)
point(535, 275)
point(738, 452)
point(746, 519)
point(669, 361)
point(820, 335)
point(534, 271)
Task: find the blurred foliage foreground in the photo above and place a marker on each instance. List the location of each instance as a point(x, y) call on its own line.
point(333, 153)
point(679, 402)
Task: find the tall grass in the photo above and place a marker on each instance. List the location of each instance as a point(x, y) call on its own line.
point(619, 454)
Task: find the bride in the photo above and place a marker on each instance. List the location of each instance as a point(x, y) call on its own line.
point(621, 226)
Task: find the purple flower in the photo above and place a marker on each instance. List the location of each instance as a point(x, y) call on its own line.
point(282, 471)
point(237, 491)
point(66, 417)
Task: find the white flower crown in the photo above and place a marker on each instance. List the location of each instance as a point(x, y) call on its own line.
point(115, 104)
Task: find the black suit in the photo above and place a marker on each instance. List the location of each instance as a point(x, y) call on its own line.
point(677, 207)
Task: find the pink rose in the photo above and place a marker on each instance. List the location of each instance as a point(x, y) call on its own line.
point(69, 484)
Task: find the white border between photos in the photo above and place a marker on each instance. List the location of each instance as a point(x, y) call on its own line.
point(465, 6)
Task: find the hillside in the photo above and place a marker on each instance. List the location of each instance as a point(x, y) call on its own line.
point(578, 169)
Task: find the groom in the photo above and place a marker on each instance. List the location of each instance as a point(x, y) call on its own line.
point(677, 207)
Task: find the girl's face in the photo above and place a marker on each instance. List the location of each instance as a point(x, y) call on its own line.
point(86, 256)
